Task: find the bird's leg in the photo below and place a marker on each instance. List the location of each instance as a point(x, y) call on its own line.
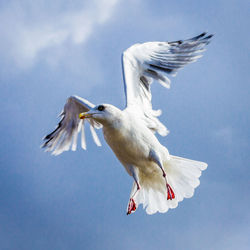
point(138, 188)
point(132, 205)
point(155, 158)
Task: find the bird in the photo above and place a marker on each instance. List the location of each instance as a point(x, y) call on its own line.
point(160, 180)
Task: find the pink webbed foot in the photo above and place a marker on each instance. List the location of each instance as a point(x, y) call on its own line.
point(171, 194)
point(131, 206)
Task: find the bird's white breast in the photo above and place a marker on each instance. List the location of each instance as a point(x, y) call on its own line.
point(130, 140)
point(127, 141)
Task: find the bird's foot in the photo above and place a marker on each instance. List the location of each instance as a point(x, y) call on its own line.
point(171, 194)
point(131, 206)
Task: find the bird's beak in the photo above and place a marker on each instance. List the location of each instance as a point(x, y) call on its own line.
point(85, 115)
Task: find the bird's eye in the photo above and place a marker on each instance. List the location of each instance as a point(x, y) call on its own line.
point(100, 108)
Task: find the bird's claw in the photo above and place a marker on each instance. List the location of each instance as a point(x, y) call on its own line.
point(171, 194)
point(131, 206)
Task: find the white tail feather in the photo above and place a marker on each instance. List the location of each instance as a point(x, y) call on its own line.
point(182, 175)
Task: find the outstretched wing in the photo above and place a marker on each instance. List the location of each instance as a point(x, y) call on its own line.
point(65, 135)
point(143, 63)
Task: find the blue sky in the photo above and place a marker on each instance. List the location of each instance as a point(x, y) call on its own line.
point(50, 50)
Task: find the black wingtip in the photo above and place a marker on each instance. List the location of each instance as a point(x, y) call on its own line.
point(176, 42)
point(46, 142)
point(209, 36)
point(199, 36)
point(202, 36)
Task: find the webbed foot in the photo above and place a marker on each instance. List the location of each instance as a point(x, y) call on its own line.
point(131, 206)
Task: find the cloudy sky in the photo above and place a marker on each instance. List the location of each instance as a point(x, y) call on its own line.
point(50, 50)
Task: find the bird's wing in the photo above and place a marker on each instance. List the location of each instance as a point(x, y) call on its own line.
point(143, 63)
point(66, 132)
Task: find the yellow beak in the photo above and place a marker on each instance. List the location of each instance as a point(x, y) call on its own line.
point(84, 115)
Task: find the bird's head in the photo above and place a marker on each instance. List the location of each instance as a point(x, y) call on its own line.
point(106, 114)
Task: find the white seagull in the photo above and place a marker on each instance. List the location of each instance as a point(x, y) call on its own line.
point(161, 180)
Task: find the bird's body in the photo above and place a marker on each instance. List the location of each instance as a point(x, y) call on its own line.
point(130, 140)
point(133, 144)
point(160, 179)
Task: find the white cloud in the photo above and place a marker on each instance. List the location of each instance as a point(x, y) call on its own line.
point(31, 28)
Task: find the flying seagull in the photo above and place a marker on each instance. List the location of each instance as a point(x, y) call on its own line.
point(161, 180)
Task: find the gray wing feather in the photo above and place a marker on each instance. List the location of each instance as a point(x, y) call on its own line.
point(143, 63)
point(65, 135)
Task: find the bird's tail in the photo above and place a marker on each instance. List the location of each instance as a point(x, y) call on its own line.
point(182, 176)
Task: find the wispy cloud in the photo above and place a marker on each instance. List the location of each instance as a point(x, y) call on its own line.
point(28, 29)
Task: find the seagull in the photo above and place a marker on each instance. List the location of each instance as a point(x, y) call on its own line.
point(160, 180)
